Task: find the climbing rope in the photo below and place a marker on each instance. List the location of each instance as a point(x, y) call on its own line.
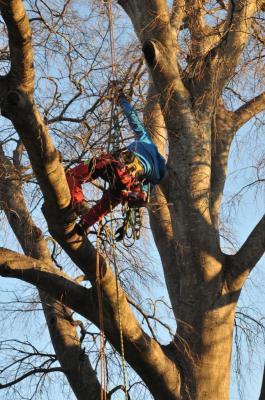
point(114, 123)
point(102, 353)
point(132, 222)
point(120, 324)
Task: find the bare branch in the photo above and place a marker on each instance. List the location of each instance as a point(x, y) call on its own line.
point(177, 14)
point(160, 215)
point(195, 20)
point(19, 33)
point(247, 257)
point(232, 44)
point(33, 372)
point(222, 4)
point(249, 110)
point(215, 66)
point(154, 120)
point(224, 127)
point(39, 274)
point(222, 135)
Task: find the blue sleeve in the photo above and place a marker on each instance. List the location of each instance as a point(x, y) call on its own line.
point(146, 188)
point(134, 122)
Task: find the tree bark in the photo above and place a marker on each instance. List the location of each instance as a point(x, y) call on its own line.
point(200, 132)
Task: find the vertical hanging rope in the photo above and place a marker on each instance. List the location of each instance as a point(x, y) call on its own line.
point(102, 355)
point(120, 324)
point(115, 123)
point(112, 40)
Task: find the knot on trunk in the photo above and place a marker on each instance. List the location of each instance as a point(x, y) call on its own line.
point(14, 103)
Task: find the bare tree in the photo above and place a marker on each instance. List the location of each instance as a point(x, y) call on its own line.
point(196, 53)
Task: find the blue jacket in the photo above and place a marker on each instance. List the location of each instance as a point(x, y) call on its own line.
point(143, 147)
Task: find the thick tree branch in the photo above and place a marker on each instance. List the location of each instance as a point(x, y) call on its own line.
point(223, 131)
point(151, 21)
point(150, 18)
point(195, 15)
point(161, 225)
point(54, 282)
point(154, 120)
point(225, 124)
point(247, 257)
point(227, 53)
point(160, 215)
point(144, 354)
point(177, 14)
point(44, 158)
point(21, 74)
point(244, 113)
point(215, 66)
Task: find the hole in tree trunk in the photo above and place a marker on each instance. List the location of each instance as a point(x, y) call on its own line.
point(149, 53)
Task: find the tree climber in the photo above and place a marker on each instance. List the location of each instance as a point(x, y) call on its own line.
point(129, 172)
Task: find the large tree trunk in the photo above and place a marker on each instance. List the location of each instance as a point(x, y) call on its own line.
point(208, 342)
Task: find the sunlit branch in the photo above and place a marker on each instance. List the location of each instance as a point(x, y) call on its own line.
point(196, 23)
point(149, 20)
point(249, 110)
point(19, 33)
point(177, 14)
point(223, 132)
point(33, 271)
point(227, 52)
point(247, 256)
